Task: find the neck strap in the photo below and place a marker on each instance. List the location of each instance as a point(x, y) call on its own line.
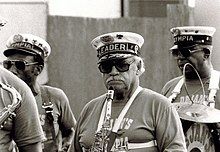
point(107, 108)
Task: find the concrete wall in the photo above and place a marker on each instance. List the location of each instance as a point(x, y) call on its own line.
point(72, 64)
point(207, 13)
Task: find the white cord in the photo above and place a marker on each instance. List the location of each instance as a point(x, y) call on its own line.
point(203, 90)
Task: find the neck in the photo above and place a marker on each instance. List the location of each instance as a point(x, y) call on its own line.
point(204, 72)
point(124, 96)
point(35, 88)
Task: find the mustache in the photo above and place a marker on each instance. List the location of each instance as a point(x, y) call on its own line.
point(113, 79)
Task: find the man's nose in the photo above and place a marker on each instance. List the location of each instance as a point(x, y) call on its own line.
point(13, 69)
point(114, 71)
point(180, 56)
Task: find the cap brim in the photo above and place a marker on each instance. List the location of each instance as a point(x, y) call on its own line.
point(115, 56)
point(174, 47)
point(10, 52)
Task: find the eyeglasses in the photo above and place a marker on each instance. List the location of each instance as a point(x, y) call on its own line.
point(184, 52)
point(20, 65)
point(120, 65)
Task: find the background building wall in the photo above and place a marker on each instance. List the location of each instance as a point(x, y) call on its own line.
point(207, 13)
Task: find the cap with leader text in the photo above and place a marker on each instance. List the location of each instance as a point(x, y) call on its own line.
point(117, 45)
point(27, 43)
point(187, 36)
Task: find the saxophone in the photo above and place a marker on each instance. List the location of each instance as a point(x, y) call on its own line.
point(102, 136)
point(9, 110)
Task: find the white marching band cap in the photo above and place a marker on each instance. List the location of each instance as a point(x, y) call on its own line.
point(187, 36)
point(117, 45)
point(27, 43)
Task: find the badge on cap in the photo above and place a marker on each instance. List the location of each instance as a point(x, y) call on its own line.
point(18, 38)
point(107, 39)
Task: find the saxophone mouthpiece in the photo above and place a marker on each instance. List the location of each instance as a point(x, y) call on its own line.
point(110, 93)
point(110, 88)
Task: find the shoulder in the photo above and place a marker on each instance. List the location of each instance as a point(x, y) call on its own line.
point(96, 101)
point(173, 81)
point(54, 91)
point(153, 95)
point(170, 84)
point(155, 100)
point(93, 105)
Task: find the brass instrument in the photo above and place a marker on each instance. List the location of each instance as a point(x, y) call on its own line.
point(102, 136)
point(9, 110)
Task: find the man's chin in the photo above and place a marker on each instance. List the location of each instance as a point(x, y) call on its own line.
point(186, 70)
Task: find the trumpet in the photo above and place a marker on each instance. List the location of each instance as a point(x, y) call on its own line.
point(9, 110)
point(102, 136)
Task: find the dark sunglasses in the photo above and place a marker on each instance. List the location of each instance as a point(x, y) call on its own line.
point(184, 52)
point(120, 65)
point(20, 65)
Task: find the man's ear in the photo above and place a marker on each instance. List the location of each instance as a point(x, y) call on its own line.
point(38, 69)
point(139, 65)
point(206, 53)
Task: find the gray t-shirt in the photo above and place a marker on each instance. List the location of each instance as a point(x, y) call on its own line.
point(150, 117)
point(25, 128)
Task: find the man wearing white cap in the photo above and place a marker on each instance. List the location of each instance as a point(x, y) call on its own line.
point(128, 117)
point(26, 54)
point(196, 92)
point(19, 119)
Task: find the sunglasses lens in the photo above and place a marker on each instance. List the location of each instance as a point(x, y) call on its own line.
point(185, 52)
point(122, 67)
point(175, 52)
point(20, 65)
point(105, 67)
point(7, 64)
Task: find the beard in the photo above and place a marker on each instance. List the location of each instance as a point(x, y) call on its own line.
point(119, 96)
point(191, 75)
point(191, 72)
point(120, 93)
point(27, 79)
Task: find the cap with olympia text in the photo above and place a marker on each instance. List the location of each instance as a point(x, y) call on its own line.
point(187, 36)
point(27, 43)
point(117, 45)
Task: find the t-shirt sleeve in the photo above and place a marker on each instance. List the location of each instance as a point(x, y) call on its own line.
point(67, 118)
point(169, 133)
point(27, 128)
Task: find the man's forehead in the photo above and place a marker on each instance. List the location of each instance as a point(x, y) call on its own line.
point(118, 59)
point(21, 55)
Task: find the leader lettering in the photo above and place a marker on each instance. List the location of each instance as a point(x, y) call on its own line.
point(118, 47)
